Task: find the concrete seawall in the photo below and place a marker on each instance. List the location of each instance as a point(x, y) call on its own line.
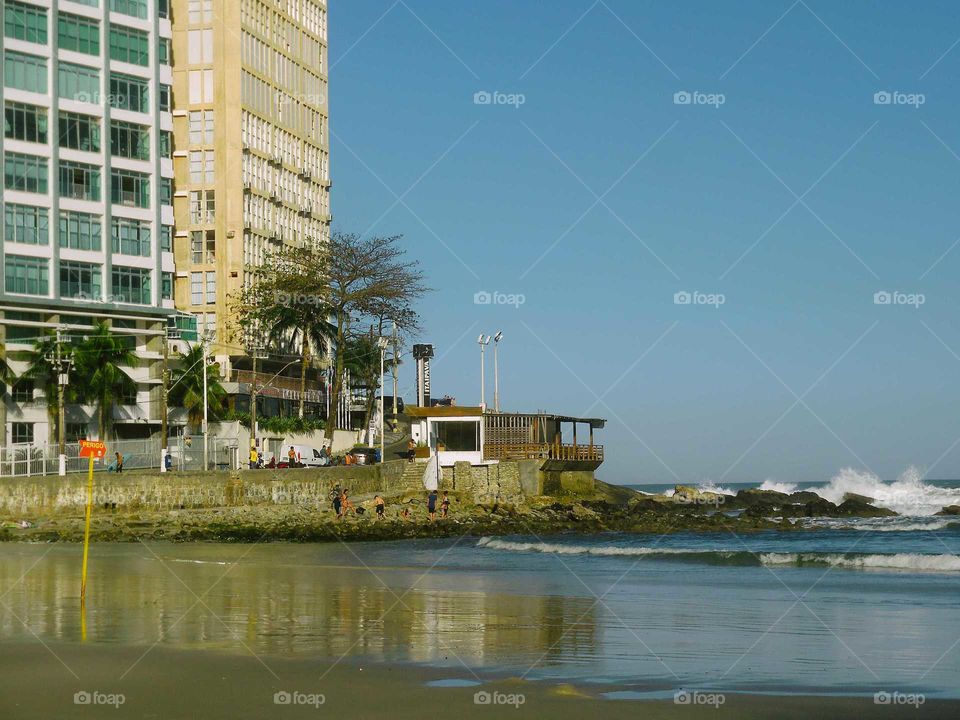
point(504, 482)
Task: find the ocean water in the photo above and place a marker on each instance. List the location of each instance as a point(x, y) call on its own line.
point(854, 606)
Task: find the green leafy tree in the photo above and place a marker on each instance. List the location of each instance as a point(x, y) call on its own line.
point(186, 387)
point(100, 362)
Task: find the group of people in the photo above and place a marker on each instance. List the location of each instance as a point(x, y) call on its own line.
point(293, 459)
point(343, 505)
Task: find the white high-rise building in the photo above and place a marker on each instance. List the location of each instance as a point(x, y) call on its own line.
point(87, 196)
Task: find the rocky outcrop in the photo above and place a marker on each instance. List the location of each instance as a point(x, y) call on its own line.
point(950, 510)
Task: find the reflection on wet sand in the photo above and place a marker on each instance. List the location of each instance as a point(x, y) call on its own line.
point(268, 601)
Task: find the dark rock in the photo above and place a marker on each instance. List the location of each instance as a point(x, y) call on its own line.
point(860, 498)
point(858, 508)
point(802, 497)
point(746, 498)
point(820, 508)
point(950, 510)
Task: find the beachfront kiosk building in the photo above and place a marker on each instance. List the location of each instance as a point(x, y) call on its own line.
point(560, 449)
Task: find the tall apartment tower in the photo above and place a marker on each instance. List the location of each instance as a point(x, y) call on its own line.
point(87, 195)
point(251, 148)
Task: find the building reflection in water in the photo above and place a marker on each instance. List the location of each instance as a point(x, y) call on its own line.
point(264, 600)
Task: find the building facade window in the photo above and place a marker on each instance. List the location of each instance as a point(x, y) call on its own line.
point(79, 132)
point(25, 172)
point(202, 207)
point(129, 45)
point(130, 237)
point(23, 391)
point(199, 11)
point(75, 432)
point(130, 188)
point(22, 433)
point(201, 127)
point(79, 34)
point(166, 286)
point(129, 93)
point(129, 140)
point(200, 46)
point(133, 8)
point(200, 84)
point(25, 22)
point(80, 281)
point(79, 181)
point(164, 51)
point(166, 98)
point(80, 231)
point(166, 238)
point(26, 275)
point(211, 288)
point(24, 72)
point(165, 141)
point(78, 82)
point(26, 224)
point(24, 122)
point(196, 288)
point(201, 167)
point(130, 285)
point(202, 246)
point(166, 191)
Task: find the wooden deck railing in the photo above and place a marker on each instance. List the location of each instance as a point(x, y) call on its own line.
point(543, 451)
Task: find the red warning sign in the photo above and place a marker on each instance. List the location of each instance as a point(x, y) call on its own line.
point(92, 448)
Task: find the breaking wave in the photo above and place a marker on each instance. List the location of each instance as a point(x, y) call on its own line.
point(907, 495)
point(915, 562)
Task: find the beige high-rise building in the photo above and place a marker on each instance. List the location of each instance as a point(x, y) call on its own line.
point(251, 147)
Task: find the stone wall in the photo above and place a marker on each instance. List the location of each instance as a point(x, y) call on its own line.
point(505, 482)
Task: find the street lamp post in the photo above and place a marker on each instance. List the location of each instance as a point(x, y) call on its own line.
point(483, 341)
point(496, 371)
point(203, 345)
point(382, 343)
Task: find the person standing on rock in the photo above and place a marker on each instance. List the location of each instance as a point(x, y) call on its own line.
point(445, 506)
point(411, 450)
point(380, 505)
point(432, 505)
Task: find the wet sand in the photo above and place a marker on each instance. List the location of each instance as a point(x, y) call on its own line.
point(38, 681)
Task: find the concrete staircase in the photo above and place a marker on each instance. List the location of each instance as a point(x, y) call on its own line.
point(413, 476)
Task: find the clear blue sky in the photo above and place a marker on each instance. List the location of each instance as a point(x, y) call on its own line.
point(504, 198)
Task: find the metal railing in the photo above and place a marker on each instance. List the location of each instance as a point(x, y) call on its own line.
point(33, 459)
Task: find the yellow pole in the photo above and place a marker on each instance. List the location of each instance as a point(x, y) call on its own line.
point(86, 534)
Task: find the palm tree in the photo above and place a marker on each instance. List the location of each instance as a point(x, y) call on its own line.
point(295, 332)
point(43, 371)
point(362, 359)
point(186, 389)
point(100, 362)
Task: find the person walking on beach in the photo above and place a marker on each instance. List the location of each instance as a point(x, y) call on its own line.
point(119, 463)
point(380, 505)
point(432, 505)
point(345, 504)
point(445, 506)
